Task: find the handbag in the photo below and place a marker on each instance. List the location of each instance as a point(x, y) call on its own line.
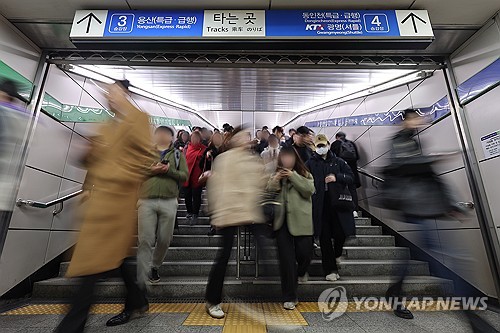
point(203, 179)
point(340, 197)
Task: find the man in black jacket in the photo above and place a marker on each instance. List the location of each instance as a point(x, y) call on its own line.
point(302, 142)
point(348, 151)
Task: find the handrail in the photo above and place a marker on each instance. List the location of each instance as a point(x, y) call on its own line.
point(37, 204)
point(366, 173)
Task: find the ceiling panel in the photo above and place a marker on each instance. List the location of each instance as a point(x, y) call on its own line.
point(53, 10)
point(200, 4)
point(459, 12)
point(341, 4)
point(260, 89)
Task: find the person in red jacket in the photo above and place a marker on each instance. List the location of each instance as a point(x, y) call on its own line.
point(192, 188)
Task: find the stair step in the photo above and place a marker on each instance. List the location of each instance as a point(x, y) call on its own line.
point(192, 287)
point(271, 268)
point(204, 240)
point(205, 220)
point(185, 229)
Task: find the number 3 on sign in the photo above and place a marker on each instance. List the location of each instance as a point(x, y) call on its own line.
point(121, 23)
point(376, 23)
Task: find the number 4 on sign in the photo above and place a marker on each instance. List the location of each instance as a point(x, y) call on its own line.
point(376, 21)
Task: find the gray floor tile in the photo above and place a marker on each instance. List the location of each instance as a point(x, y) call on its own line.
point(326, 329)
point(101, 319)
point(20, 321)
point(384, 321)
point(168, 319)
point(316, 319)
point(285, 329)
point(50, 321)
point(493, 318)
point(446, 321)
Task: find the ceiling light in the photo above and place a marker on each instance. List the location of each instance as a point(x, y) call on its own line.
point(398, 82)
point(89, 74)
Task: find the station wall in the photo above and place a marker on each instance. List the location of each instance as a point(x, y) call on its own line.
point(458, 244)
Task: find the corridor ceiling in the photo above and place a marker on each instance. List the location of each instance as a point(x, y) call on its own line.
point(47, 23)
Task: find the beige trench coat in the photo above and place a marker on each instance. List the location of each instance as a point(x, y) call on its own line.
point(235, 189)
point(115, 172)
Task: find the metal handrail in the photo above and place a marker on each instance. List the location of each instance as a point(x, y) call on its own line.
point(366, 173)
point(37, 204)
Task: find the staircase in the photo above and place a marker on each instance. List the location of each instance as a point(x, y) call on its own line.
point(370, 258)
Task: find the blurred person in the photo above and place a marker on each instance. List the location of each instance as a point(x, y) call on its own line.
point(13, 124)
point(157, 206)
point(211, 152)
point(234, 196)
point(413, 188)
point(192, 188)
point(182, 140)
point(216, 130)
point(329, 221)
point(348, 151)
point(265, 128)
point(302, 142)
point(270, 154)
point(116, 168)
point(258, 135)
point(294, 226)
point(280, 134)
point(205, 136)
point(289, 140)
point(264, 137)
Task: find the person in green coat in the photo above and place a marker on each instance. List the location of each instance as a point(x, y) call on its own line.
point(293, 224)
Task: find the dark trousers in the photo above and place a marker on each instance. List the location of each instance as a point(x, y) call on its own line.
point(77, 316)
point(218, 272)
point(193, 199)
point(331, 229)
point(354, 193)
point(292, 250)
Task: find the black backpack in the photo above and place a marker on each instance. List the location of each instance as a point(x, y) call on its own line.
point(348, 150)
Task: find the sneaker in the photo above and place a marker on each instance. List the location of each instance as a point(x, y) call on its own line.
point(155, 276)
point(290, 305)
point(194, 219)
point(355, 213)
point(304, 279)
point(332, 277)
point(215, 311)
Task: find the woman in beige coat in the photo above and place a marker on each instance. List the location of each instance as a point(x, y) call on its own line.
point(234, 193)
point(117, 166)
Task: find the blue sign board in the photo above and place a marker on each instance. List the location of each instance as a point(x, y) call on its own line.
point(331, 23)
point(340, 24)
point(154, 23)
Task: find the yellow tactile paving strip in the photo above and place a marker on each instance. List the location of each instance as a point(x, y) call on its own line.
point(238, 314)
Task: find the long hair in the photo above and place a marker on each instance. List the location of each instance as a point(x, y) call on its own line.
point(299, 166)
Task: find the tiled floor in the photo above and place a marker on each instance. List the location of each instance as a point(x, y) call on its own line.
point(255, 318)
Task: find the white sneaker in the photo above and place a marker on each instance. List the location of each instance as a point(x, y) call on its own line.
point(355, 213)
point(332, 277)
point(304, 279)
point(215, 311)
point(290, 305)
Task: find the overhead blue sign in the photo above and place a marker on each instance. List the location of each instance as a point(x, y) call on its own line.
point(154, 24)
point(331, 23)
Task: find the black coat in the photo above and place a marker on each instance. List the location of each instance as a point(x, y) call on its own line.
point(320, 168)
point(208, 166)
point(353, 163)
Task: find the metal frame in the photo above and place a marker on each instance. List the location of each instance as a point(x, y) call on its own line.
point(245, 59)
point(476, 183)
point(37, 204)
point(34, 107)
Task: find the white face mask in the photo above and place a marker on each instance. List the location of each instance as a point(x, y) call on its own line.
point(323, 150)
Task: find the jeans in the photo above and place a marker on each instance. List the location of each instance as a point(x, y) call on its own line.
point(156, 225)
point(331, 229)
point(292, 250)
point(193, 199)
point(74, 321)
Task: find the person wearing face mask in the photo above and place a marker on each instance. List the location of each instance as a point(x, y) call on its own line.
point(329, 222)
point(270, 154)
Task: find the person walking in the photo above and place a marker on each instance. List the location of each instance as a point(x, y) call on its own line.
point(182, 140)
point(348, 151)
point(302, 142)
point(270, 154)
point(117, 166)
point(330, 222)
point(263, 143)
point(157, 206)
point(192, 188)
point(293, 225)
point(234, 195)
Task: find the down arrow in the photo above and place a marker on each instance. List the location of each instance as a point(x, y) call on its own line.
point(413, 17)
point(89, 16)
